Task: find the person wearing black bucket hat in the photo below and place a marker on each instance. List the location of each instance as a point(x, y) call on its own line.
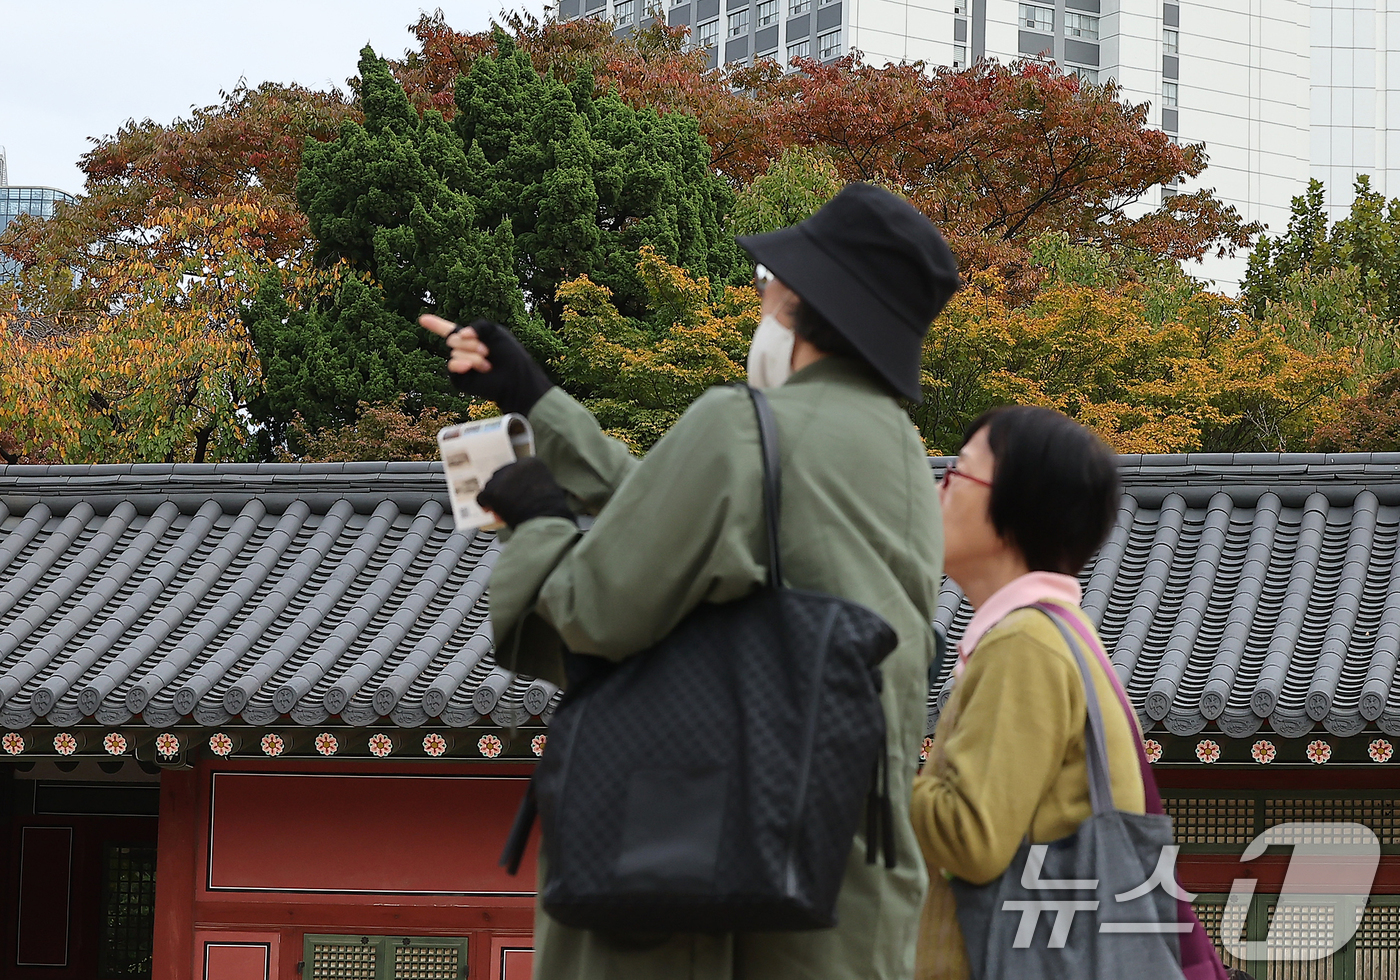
point(846, 298)
point(874, 268)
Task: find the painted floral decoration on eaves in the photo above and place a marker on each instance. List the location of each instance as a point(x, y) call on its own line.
point(327, 744)
point(65, 744)
point(114, 743)
point(1152, 749)
point(489, 746)
point(380, 745)
point(1208, 750)
point(220, 744)
point(1380, 750)
point(537, 745)
point(13, 743)
point(1263, 751)
point(168, 744)
point(434, 744)
point(1319, 751)
point(272, 744)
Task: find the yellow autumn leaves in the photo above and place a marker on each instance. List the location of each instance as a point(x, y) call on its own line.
point(1152, 367)
point(1200, 375)
point(157, 365)
point(154, 364)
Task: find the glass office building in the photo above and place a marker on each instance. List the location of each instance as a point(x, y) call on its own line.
point(15, 201)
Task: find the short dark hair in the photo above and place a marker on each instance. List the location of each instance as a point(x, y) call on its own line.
point(1055, 485)
point(817, 330)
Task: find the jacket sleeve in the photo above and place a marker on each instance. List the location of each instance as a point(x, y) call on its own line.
point(684, 528)
point(975, 802)
point(586, 462)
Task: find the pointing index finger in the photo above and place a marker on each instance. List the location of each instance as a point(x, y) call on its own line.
point(436, 324)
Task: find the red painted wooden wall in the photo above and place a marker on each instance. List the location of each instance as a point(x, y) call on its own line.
point(254, 856)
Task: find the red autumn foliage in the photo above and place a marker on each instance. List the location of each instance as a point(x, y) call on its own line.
point(995, 154)
point(1368, 423)
point(245, 149)
point(1005, 151)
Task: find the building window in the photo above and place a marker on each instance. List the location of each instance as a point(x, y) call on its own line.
point(1083, 26)
point(1169, 95)
point(824, 3)
point(1090, 75)
point(796, 7)
point(960, 8)
point(707, 34)
point(767, 12)
point(128, 912)
point(739, 22)
point(829, 45)
point(799, 49)
point(1038, 18)
point(383, 957)
point(623, 11)
point(1171, 42)
point(960, 56)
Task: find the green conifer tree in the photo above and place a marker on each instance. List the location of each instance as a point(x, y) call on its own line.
point(532, 184)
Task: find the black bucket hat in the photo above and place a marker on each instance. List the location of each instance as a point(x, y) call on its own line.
point(874, 268)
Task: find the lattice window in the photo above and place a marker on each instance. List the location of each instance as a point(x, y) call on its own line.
point(1378, 944)
point(384, 958)
point(1380, 814)
point(128, 912)
point(1210, 913)
point(345, 960)
point(1299, 945)
point(1299, 942)
point(426, 962)
point(1206, 820)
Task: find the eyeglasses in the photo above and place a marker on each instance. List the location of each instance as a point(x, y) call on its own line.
point(761, 278)
point(953, 471)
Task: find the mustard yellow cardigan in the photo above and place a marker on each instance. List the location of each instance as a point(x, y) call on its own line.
point(1007, 760)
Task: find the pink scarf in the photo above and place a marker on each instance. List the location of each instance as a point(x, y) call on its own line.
point(1029, 588)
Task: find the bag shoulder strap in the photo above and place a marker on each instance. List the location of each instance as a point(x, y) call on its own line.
point(772, 481)
point(1149, 780)
point(1095, 746)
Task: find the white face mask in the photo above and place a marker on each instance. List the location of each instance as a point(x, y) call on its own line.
point(770, 353)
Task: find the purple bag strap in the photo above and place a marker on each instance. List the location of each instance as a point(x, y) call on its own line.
point(1199, 959)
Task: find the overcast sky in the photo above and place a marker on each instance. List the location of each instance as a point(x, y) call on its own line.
point(73, 69)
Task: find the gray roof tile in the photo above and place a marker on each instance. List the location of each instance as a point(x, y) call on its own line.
point(1236, 591)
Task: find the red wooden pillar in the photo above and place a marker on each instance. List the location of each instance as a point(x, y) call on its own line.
point(176, 854)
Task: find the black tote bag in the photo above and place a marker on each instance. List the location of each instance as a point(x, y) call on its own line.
point(715, 782)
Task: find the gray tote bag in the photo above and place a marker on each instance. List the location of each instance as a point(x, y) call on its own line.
point(1092, 906)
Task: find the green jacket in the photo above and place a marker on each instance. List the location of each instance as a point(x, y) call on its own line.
point(683, 526)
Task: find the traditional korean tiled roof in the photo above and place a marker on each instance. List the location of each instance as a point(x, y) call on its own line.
point(1249, 591)
point(252, 594)
point(1238, 593)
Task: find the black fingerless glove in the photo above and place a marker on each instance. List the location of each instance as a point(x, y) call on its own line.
point(522, 490)
point(515, 382)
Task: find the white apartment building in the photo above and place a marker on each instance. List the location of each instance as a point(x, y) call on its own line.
point(1278, 90)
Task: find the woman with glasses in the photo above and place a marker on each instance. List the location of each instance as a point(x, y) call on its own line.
point(1030, 498)
point(847, 296)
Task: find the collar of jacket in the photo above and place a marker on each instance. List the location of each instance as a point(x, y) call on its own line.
point(843, 369)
